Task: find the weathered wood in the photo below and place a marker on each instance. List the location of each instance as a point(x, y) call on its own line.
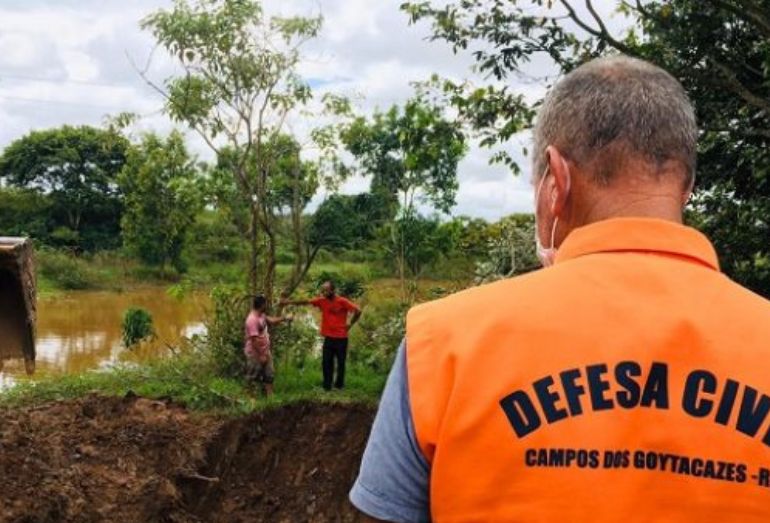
point(18, 305)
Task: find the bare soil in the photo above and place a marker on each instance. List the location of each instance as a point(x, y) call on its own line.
point(138, 460)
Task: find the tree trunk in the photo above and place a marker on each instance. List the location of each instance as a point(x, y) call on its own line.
point(270, 264)
point(401, 258)
point(302, 255)
point(309, 259)
point(253, 250)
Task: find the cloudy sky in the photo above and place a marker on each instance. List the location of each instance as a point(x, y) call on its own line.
point(70, 61)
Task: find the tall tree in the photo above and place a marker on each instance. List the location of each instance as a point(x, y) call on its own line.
point(291, 186)
point(76, 168)
point(349, 221)
point(161, 186)
point(240, 85)
point(718, 49)
point(25, 212)
point(412, 154)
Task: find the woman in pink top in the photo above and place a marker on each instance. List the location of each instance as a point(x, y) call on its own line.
point(257, 348)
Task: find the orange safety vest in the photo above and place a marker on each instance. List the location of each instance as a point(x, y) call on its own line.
point(628, 382)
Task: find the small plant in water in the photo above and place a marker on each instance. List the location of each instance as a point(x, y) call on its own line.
point(137, 326)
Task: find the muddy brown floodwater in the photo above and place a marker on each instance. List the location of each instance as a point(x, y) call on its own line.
point(80, 331)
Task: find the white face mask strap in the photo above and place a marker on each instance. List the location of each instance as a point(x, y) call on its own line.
point(537, 201)
point(553, 233)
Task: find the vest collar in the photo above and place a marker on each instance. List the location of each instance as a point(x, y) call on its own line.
point(648, 235)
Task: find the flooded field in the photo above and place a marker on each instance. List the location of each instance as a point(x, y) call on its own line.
point(79, 331)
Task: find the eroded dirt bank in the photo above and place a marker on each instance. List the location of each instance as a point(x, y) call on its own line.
point(137, 460)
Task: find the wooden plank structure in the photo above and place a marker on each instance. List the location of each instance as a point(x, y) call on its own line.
point(18, 305)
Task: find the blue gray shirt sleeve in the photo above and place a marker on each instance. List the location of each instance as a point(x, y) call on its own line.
point(393, 484)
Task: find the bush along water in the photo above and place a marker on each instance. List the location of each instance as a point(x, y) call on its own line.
point(224, 326)
point(137, 326)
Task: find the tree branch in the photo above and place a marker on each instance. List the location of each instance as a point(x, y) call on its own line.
point(759, 17)
point(600, 33)
point(741, 90)
point(640, 8)
point(596, 17)
point(143, 74)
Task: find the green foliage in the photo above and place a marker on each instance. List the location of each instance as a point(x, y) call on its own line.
point(349, 222)
point(66, 272)
point(240, 83)
point(25, 212)
point(294, 345)
point(469, 243)
point(162, 198)
point(412, 154)
point(75, 169)
point(216, 239)
point(510, 249)
point(230, 49)
point(137, 326)
point(419, 241)
point(409, 151)
point(224, 327)
point(348, 284)
point(187, 379)
point(377, 336)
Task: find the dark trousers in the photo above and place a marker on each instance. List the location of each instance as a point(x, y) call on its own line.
point(334, 349)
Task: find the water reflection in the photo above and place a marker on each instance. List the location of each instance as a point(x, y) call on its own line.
point(80, 331)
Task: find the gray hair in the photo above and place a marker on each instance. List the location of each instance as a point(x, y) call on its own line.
point(613, 109)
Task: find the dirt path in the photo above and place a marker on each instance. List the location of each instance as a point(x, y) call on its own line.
point(136, 460)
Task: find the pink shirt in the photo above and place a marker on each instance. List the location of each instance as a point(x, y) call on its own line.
point(256, 329)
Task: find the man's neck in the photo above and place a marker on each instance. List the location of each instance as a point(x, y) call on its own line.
point(634, 196)
point(663, 207)
point(641, 191)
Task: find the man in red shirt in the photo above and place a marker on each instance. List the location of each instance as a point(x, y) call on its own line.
point(335, 313)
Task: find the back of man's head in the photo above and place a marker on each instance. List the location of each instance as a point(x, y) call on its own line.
point(616, 110)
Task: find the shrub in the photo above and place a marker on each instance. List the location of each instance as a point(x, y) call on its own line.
point(295, 344)
point(65, 271)
point(137, 326)
point(224, 339)
point(292, 345)
point(376, 337)
point(348, 284)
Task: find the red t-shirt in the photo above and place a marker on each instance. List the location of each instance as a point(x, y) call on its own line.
point(334, 315)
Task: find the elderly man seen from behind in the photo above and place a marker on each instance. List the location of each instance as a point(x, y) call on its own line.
point(627, 381)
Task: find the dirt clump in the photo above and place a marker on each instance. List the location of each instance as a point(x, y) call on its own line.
point(137, 460)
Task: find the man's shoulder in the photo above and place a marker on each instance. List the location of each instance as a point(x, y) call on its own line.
point(488, 297)
point(751, 304)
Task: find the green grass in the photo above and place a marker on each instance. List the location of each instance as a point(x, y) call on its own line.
point(189, 382)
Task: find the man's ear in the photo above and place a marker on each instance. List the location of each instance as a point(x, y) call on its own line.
point(558, 188)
